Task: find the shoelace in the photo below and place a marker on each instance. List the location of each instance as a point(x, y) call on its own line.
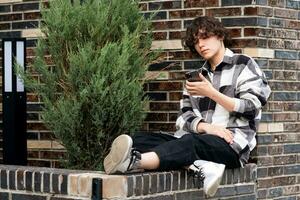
point(198, 176)
point(135, 157)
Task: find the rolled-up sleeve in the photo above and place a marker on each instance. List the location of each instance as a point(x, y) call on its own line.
point(252, 91)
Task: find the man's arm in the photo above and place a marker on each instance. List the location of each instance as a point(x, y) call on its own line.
point(205, 88)
point(252, 91)
point(188, 118)
point(212, 129)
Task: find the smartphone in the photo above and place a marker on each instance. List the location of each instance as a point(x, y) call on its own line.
point(193, 76)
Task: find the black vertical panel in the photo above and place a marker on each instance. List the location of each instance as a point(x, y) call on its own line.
point(96, 189)
point(14, 115)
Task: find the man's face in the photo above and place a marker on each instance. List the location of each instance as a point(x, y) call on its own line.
point(208, 47)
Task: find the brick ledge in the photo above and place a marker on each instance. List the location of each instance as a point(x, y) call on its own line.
point(55, 184)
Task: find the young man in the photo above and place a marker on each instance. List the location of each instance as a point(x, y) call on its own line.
point(218, 118)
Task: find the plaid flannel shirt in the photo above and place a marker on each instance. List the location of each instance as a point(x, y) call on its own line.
point(237, 76)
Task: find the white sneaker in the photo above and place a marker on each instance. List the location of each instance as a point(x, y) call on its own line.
point(119, 157)
point(213, 173)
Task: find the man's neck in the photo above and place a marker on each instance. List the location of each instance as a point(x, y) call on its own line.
point(217, 58)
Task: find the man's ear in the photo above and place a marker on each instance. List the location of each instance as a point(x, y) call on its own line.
point(221, 38)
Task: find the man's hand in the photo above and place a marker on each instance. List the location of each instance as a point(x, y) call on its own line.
point(205, 88)
point(200, 88)
point(220, 131)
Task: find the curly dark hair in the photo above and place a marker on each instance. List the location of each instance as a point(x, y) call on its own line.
point(204, 27)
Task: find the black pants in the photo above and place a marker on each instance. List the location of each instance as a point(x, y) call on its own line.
point(176, 153)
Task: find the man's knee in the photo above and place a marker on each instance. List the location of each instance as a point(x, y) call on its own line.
point(189, 138)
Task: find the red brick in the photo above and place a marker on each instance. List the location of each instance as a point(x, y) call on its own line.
point(5, 26)
point(178, 55)
point(292, 24)
point(276, 44)
point(278, 181)
point(290, 190)
point(33, 154)
point(30, 52)
point(251, 11)
point(167, 25)
point(291, 106)
point(156, 117)
point(275, 171)
point(163, 55)
point(10, 17)
point(287, 86)
point(275, 106)
point(250, 31)
point(261, 193)
point(162, 126)
point(159, 86)
point(165, 5)
point(236, 32)
point(276, 3)
point(14, 17)
point(221, 12)
point(164, 106)
point(265, 11)
point(264, 32)
point(285, 75)
point(292, 45)
point(283, 160)
point(160, 35)
point(52, 155)
point(39, 163)
point(176, 35)
point(177, 76)
point(286, 13)
point(47, 135)
point(32, 15)
point(35, 126)
point(291, 65)
point(200, 3)
point(25, 6)
point(175, 14)
point(56, 164)
point(173, 117)
point(275, 150)
point(265, 161)
point(276, 64)
point(242, 43)
point(278, 33)
point(175, 96)
point(292, 127)
point(29, 61)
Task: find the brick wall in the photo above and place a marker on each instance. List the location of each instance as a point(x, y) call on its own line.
point(268, 30)
point(35, 183)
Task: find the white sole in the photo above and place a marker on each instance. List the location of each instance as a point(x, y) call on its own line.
point(120, 148)
point(213, 186)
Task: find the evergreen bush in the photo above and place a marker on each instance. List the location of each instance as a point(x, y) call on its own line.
point(93, 92)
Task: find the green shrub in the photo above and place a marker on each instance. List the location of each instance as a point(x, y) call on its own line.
point(93, 92)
